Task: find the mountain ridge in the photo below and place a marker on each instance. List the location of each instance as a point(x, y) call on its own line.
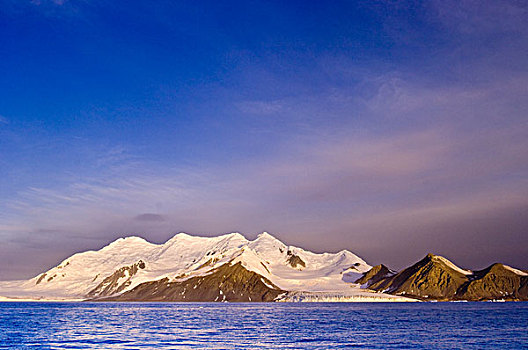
point(130, 262)
point(437, 278)
point(230, 267)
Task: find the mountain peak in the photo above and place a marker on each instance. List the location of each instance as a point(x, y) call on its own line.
point(266, 235)
point(130, 240)
point(233, 235)
point(267, 242)
point(187, 237)
point(443, 261)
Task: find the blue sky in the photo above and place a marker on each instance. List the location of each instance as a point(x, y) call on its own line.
point(391, 129)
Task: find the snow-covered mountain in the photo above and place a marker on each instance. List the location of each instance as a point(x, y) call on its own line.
point(224, 268)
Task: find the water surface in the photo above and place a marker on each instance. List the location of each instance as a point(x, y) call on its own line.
point(261, 326)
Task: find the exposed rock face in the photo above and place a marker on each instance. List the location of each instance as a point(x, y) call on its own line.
point(295, 261)
point(374, 275)
point(116, 282)
point(437, 278)
point(225, 283)
point(41, 278)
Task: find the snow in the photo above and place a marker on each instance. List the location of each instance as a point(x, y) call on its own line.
point(265, 283)
point(453, 266)
point(7, 299)
point(514, 270)
point(185, 256)
point(323, 272)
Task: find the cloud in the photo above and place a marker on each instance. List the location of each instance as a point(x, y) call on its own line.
point(3, 120)
point(149, 217)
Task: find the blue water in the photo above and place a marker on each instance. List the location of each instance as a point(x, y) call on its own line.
point(264, 326)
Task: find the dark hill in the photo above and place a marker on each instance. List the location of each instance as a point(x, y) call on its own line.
point(429, 278)
point(375, 274)
point(225, 283)
point(436, 278)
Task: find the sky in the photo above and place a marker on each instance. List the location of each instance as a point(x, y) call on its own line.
point(388, 128)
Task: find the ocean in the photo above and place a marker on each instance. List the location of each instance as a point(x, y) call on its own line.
point(32, 325)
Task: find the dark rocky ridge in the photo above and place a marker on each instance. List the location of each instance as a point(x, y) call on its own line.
point(432, 279)
point(114, 284)
point(233, 283)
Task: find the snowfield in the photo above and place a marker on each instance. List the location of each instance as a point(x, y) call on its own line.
point(127, 262)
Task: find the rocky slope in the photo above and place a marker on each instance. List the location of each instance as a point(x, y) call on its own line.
point(225, 283)
point(436, 278)
point(374, 275)
point(496, 282)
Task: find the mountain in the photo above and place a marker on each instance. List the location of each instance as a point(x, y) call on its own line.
point(191, 268)
point(233, 268)
point(436, 278)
